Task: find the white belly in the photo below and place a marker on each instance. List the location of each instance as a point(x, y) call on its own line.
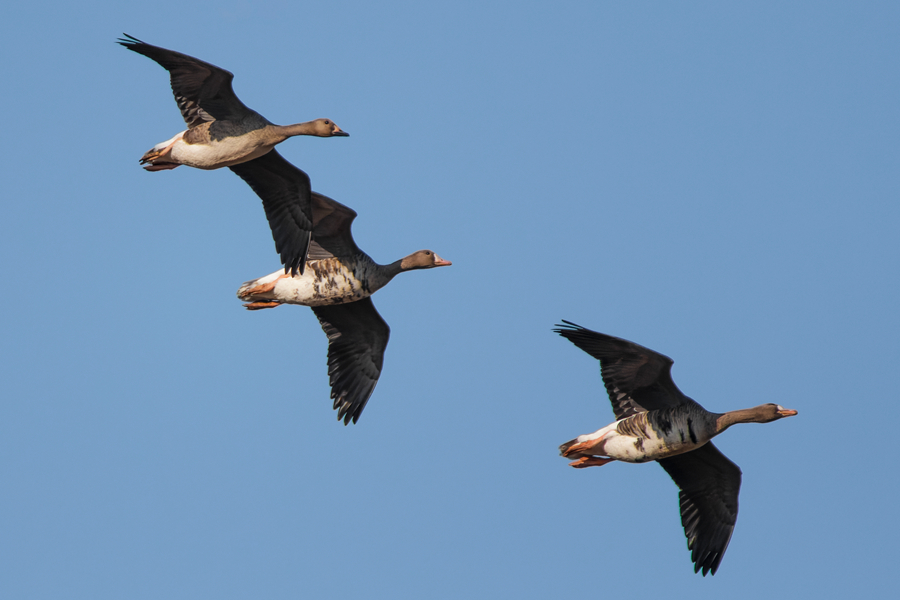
point(632, 449)
point(322, 283)
point(311, 291)
point(215, 155)
point(637, 449)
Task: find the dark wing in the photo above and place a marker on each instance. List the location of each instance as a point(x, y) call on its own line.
point(357, 337)
point(203, 91)
point(637, 379)
point(709, 484)
point(285, 193)
point(331, 228)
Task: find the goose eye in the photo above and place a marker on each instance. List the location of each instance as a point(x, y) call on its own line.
point(327, 122)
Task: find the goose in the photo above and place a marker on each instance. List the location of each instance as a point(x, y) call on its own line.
point(655, 421)
point(337, 285)
point(221, 130)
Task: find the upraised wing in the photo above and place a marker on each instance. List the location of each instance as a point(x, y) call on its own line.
point(203, 91)
point(637, 379)
point(331, 228)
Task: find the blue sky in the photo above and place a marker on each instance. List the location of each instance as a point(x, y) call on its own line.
point(717, 181)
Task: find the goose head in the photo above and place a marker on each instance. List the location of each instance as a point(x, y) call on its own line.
point(423, 259)
point(327, 128)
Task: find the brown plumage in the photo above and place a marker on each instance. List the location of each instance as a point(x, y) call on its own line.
point(223, 132)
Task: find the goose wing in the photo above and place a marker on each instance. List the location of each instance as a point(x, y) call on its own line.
point(203, 91)
point(285, 193)
point(331, 228)
point(357, 337)
point(709, 484)
point(637, 379)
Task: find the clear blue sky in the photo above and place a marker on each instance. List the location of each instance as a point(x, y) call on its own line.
point(717, 181)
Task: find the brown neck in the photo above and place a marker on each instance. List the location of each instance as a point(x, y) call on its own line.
point(287, 131)
point(745, 415)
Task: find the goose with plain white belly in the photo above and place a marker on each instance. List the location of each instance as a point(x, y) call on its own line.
point(337, 284)
point(221, 131)
point(658, 422)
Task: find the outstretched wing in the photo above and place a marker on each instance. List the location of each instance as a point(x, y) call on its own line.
point(709, 485)
point(203, 91)
point(637, 379)
point(285, 193)
point(357, 337)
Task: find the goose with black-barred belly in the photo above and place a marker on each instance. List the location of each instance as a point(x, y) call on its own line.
point(337, 284)
point(658, 422)
point(335, 280)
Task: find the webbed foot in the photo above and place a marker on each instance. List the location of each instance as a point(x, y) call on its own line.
point(261, 305)
point(590, 461)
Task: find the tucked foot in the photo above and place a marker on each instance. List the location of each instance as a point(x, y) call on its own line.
point(580, 447)
point(261, 305)
point(157, 154)
point(590, 461)
point(161, 166)
point(265, 287)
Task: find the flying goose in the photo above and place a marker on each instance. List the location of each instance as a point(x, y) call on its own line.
point(337, 283)
point(221, 130)
point(655, 421)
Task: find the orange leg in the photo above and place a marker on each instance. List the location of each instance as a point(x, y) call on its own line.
point(581, 447)
point(261, 305)
point(161, 166)
point(590, 461)
point(154, 155)
point(265, 287)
